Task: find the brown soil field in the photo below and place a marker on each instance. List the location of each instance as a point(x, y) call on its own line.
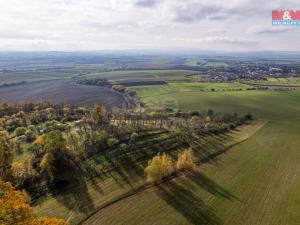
point(61, 91)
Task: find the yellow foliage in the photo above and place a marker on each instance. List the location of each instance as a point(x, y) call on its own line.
point(185, 160)
point(15, 210)
point(21, 170)
point(48, 221)
point(18, 169)
point(46, 163)
point(96, 113)
point(40, 139)
point(194, 120)
point(159, 167)
point(208, 119)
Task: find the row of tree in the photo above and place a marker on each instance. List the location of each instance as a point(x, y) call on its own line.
point(67, 144)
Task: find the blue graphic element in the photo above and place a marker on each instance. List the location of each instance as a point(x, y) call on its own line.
point(286, 22)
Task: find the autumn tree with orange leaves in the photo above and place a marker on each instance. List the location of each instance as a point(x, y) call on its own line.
point(15, 210)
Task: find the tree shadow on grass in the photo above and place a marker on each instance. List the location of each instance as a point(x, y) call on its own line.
point(95, 184)
point(210, 186)
point(75, 196)
point(208, 148)
point(188, 204)
point(123, 170)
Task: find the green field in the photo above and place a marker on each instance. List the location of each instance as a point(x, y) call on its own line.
point(140, 75)
point(154, 96)
point(205, 63)
point(195, 62)
point(255, 183)
point(293, 81)
point(216, 64)
point(42, 75)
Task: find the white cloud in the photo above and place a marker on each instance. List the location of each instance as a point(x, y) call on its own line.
point(216, 39)
point(127, 24)
point(270, 30)
point(146, 3)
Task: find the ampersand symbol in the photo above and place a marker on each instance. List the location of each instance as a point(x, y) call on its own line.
point(286, 15)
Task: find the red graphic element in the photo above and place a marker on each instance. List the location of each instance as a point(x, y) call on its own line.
point(286, 15)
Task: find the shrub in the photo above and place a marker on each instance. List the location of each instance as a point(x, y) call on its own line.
point(132, 93)
point(119, 88)
point(30, 135)
point(133, 137)
point(112, 141)
point(123, 147)
point(248, 116)
point(20, 131)
point(194, 113)
point(53, 125)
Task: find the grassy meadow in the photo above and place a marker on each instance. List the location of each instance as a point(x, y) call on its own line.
point(174, 87)
point(205, 63)
point(216, 64)
point(255, 182)
point(184, 93)
point(195, 62)
point(292, 81)
point(140, 75)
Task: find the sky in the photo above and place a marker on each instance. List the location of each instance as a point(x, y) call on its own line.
point(90, 25)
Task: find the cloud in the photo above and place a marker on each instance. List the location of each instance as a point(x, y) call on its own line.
point(216, 31)
point(121, 24)
point(146, 3)
point(195, 12)
point(229, 40)
point(269, 30)
point(217, 39)
point(22, 35)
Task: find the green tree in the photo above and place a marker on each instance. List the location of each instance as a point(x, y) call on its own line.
point(56, 154)
point(133, 138)
point(20, 131)
point(112, 142)
point(97, 114)
point(5, 155)
point(30, 135)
